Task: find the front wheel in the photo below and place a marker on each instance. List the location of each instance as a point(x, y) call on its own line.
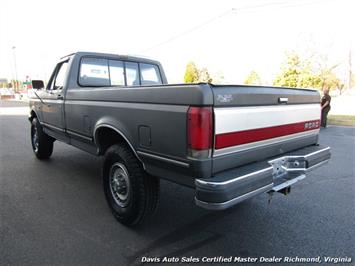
point(42, 144)
point(131, 194)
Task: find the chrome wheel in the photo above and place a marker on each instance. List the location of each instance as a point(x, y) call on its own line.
point(119, 184)
point(35, 139)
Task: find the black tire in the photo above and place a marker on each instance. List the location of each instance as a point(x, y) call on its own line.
point(131, 193)
point(42, 144)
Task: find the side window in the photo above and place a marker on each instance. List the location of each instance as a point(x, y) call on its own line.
point(60, 77)
point(94, 72)
point(132, 74)
point(116, 73)
point(150, 74)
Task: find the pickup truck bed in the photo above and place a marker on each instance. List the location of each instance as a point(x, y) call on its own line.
point(227, 142)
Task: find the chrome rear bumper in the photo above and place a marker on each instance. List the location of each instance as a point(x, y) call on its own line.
point(233, 186)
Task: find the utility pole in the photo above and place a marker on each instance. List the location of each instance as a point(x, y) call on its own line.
point(350, 74)
point(15, 68)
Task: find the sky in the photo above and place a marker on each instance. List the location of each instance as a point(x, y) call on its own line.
point(228, 37)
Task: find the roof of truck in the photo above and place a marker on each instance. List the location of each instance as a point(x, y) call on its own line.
point(108, 55)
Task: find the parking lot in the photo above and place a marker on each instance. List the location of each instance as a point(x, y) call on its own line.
point(54, 212)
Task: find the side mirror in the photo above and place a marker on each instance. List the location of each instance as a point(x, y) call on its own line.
point(37, 84)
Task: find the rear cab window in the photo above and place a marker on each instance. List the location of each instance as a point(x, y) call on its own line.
point(132, 74)
point(150, 74)
point(94, 72)
point(116, 70)
point(102, 72)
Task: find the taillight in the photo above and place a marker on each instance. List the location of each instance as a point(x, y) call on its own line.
point(200, 131)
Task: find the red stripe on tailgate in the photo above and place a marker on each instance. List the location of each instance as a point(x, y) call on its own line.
point(252, 135)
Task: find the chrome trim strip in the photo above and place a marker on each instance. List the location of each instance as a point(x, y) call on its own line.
point(79, 135)
point(229, 203)
point(258, 144)
point(199, 182)
point(122, 135)
point(53, 127)
point(316, 152)
point(167, 160)
point(303, 156)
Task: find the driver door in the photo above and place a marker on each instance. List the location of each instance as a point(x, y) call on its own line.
point(53, 109)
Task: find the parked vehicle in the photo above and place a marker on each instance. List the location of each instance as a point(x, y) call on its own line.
point(228, 143)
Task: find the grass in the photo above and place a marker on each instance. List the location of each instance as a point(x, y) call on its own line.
point(342, 120)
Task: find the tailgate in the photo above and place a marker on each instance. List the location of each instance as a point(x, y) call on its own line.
point(255, 123)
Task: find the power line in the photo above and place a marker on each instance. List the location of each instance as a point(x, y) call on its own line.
point(190, 30)
point(245, 9)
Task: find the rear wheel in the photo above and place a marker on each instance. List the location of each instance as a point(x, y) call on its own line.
point(42, 144)
point(131, 194)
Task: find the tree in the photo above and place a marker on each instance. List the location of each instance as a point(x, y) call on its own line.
point(296, 73)
point(303, 73)
point(195, 75)
point(253, 79)
point(204, 76)
point(191, 73)
point(289, 72)
point(330, 80)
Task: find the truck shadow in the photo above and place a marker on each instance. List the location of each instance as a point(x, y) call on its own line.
point(180, 225)
point(185, 226)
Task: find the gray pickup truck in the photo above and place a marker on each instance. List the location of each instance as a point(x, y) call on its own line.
point(228, 142)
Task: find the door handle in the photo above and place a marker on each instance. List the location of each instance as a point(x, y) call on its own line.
point(60, 97)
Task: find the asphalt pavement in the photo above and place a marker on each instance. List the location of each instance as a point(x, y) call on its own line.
point(54, 212)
